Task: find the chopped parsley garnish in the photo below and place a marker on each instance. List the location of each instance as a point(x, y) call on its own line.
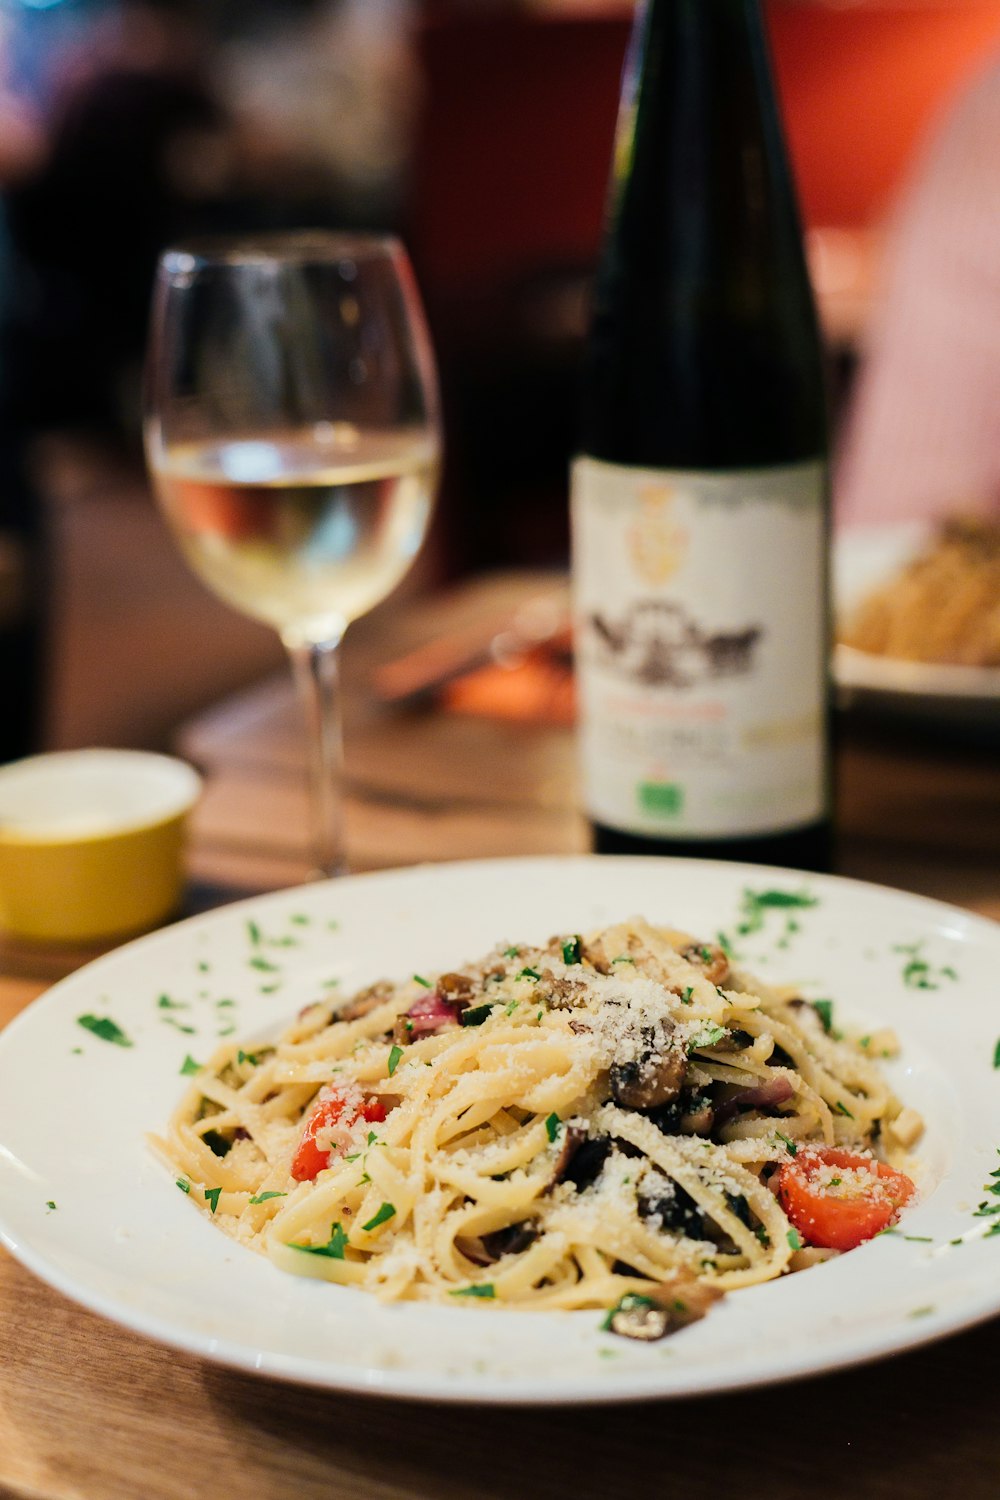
point(477, 1289)
point(552, 1124)
point(419, 979)
point(528, 974)
point(686, 994)
point(212, 1196)
point(756, 903)
point(991, 1210)
point(263, 1197)
point(572, 950)
point(51, 1206)
point(624, 958)
point(996, 1054)
point(189, 1066)
point(394, 1057)
point(824, 1009)
point(842, 1109)
point(179, 1026)
point(917, 972)
point(475, 1015)
point(184, 1185)
point(709, 1035)
point(511, 952)
point(794, 1239)
point(264, 964)
point(385, 1213)
point(165, 1003)
point(630, 1302)
point(300, 919)
point(790, 1146)
point(106, 1029)
point(334, 1247)
point(253, 932)
point(247, 1057)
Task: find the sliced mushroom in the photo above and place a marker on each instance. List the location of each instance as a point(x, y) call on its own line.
point(365, 1001)
point(456, 988)
point(595, 958)
point(573, 1137)
point(673, 1207)
point(689, 1114)
point(509, 1241)
point(662, 1309)
point(486, 1249)
point(655, 1075)
point(711, 958)
point(561, 991)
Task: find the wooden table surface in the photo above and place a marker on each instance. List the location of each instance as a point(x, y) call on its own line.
point(89, 1411)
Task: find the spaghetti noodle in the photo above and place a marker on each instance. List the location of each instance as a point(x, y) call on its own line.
point(593, 1122)
point(943, 607)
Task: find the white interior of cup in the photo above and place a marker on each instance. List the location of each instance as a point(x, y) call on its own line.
point(89, 793)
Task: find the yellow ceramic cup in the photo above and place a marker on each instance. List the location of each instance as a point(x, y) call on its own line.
point(91, 843)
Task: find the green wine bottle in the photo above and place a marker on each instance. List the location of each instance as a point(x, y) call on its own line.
point(700, 496)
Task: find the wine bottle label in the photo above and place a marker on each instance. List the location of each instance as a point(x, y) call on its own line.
point(699, 605)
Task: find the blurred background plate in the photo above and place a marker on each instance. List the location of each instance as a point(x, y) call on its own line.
point(959, 697)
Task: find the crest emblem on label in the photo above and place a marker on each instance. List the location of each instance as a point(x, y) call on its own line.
point(657, 544)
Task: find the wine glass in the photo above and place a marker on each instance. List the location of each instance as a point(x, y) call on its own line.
point(293, 438)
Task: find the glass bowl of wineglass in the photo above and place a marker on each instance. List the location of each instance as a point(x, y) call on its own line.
point(293, 437)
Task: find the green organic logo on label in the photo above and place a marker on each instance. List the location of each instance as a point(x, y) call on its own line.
point(664, 799)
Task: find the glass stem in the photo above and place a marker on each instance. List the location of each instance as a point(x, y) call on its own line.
point(316, 669)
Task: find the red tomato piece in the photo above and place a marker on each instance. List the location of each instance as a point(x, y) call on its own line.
point(332, 1108)
point(837, 1199)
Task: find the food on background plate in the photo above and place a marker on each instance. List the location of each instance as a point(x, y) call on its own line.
point(625, 1121)
point(943, 606)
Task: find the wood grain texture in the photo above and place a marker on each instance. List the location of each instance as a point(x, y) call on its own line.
point(87, 1409)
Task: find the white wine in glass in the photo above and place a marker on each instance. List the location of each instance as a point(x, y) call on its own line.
point(292, 434)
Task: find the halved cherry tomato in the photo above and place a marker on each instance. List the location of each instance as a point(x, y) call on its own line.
point(837, 1199)
point(331, 1109)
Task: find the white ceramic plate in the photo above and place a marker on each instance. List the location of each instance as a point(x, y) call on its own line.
point(87, 1208)
point(864, 557)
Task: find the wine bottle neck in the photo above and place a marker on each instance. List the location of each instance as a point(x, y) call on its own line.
point(704, 339)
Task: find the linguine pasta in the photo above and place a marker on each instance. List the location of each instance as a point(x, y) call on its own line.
point(562, 1126)
point(943, 607)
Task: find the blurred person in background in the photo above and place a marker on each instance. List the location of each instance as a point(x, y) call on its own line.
point(922, 437)
point(153, 121)
point(323, 97)
point(129, 160)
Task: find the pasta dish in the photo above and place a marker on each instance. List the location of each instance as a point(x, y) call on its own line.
point(943, 607)
point(623, 1121)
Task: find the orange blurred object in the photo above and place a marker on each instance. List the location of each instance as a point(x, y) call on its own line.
point(861, 83)
point(537, 690)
